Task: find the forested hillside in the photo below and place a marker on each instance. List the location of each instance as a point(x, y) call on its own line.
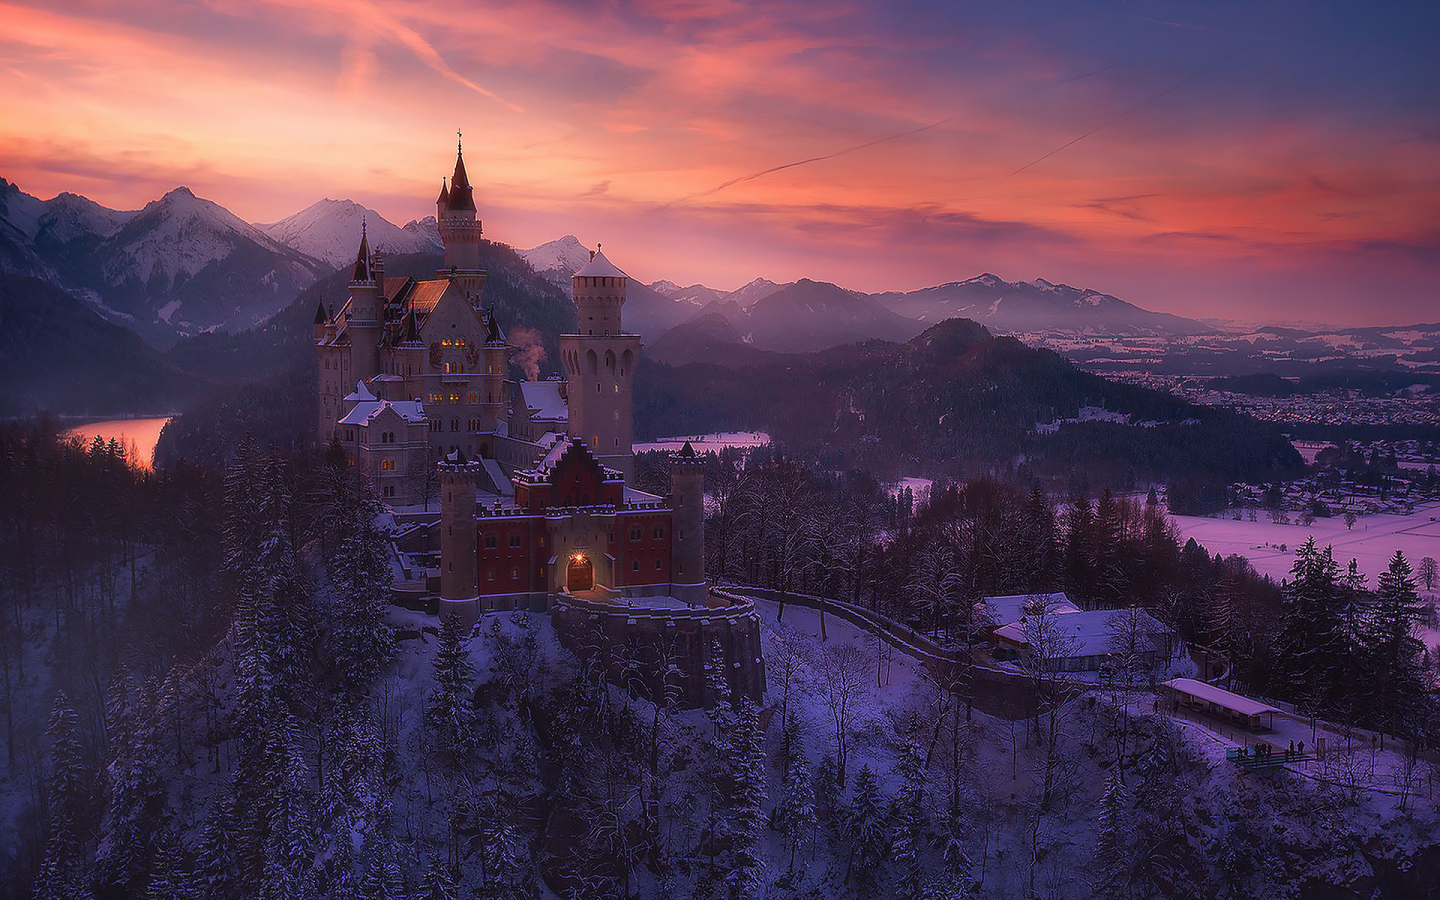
point(957, 400)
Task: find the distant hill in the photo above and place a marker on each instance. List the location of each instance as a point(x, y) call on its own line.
point(59, 355)
point(709, 338)
point(958, 400)
point(1038, 305)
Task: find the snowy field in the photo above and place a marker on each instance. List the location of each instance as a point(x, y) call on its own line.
point(707, 443)
point(1372, 542)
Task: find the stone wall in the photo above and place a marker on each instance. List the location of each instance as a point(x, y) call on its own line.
point(636, 645)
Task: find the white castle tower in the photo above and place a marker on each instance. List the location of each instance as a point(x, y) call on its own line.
point(600, 360)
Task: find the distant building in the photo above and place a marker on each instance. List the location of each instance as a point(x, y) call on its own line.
point(992, 612)
point(1085, 637)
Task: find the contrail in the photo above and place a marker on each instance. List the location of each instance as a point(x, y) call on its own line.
point(1143, 103)
point(813, 159)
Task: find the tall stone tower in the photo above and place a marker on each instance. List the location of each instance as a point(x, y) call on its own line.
point(459, 591)
point(687, 527)
point(460, 231)
point(367, 303)
point(600, 362)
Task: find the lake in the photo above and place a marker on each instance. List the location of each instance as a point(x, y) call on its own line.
point(138, 435)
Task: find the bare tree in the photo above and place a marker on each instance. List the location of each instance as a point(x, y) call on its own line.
point(841, 680)
point(1427, 572)
point(1048, 645)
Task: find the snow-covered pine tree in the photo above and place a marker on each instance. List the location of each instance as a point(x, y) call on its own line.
point(1395, 656)
point(747, 803)
point(360, 639)
point(910, 821)
point(437, 884)
point(794, 816)
point(215, 857)
point(954, 882)
point(135, 793)
point(866, 829)
point(1312, 640)
point(288, 872)
point(60, 873)
point(171, 877)
point(1110, 832)
point(827, 791)
point(450, 710)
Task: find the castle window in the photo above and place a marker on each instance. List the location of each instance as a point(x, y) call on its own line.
point(454, 424)
point(472, 397)
point(454, 396)
point(597, 387)
point(610, 537)
point(658, 533)
point(514, 573)
point(657, 563)
point(437, 425)
point(490, 542)
point(635, 567)
point(349, 434)
point(389, 490)
point(514, 540)
point(436, 398)
point(489, 574)
point(635, 533)
point(387, 465)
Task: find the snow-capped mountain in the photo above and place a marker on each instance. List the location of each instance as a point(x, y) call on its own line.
point(330, 230)
point(426, 229)
point(181, 265)
point(1030, 306)
point(696, 295)
point(557, 260)
point(752, 293)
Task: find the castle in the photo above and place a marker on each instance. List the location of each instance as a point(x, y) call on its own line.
point(535, 506)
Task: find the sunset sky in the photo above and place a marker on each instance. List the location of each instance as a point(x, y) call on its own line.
point(1248, 160)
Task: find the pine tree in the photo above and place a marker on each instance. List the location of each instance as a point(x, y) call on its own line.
point(794, 815)
point(450, 710)
point(827, 789)
point(215, 863)
point(1395, 655)
point(437, 884)
point(909, 815)
point(360, 588)
point(865, 828)
point(287, 867)
point(135, 790)
point(746, 819)
point(1110, 842)
point(955, 881)
point(1313, 643)
point(60, 876)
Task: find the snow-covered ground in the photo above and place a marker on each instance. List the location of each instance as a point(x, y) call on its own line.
point(1372, 542)
point(707, 443)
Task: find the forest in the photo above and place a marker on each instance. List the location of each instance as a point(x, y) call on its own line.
point(208, 694)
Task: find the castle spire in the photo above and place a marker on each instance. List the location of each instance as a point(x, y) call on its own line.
point(444, 199)
point(362, 259)
point(462, 196)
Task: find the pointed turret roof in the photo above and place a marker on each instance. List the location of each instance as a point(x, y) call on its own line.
point(320, 316)
point(462, 196)
point(362, 259)
point(444, 197)
point(688, 451)
point(600, 267)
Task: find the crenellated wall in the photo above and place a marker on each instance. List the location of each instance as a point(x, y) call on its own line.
point(637, 644)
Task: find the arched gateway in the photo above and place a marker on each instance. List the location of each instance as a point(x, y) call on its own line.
point(579, 573)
